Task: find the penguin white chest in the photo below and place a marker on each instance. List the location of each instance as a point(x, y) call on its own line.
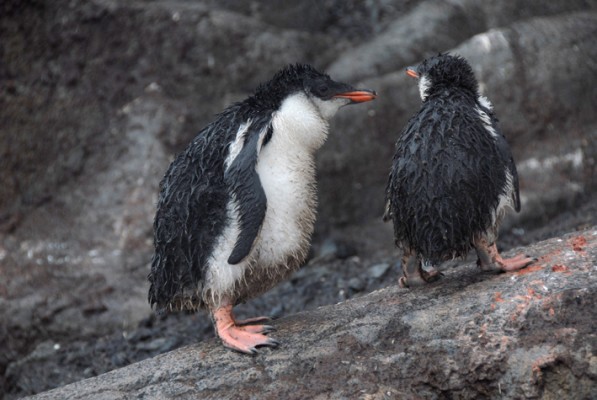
point(286, 169)
point(287, 173)
point(289, 185)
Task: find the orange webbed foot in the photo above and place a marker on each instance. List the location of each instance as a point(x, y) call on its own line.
point(243, 336)
point(490, 258)
point(515, 263)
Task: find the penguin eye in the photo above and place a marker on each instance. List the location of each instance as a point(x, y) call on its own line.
point(323, 89)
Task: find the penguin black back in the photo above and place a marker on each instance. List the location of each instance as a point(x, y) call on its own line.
point(447, 174)
point(178, 241)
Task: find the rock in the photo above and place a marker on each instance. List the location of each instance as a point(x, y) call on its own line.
point(405, 41)
point(471, 335)
point(335, 248)
point(161, 344)
point(101, 56)
point(431, 27)
point(378, 270)
point(356, 284)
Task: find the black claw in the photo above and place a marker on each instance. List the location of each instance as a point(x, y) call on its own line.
point(268, 329)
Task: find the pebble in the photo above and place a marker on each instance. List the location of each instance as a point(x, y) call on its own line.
point(356, 284)
point(337, 248)
point(379, 270)
point(161, 344)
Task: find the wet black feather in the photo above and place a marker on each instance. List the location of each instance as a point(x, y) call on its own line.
point(191, 210)
point(448, 171)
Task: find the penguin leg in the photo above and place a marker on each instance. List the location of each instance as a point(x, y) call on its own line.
point(489, 259)
point(243, 338)
point(413, 273)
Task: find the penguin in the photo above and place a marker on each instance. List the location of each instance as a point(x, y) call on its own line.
point(236, 209)
point(452, 177)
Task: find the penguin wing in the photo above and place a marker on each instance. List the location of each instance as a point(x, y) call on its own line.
point(504, 151)
point(506, 155)
point(245, 185)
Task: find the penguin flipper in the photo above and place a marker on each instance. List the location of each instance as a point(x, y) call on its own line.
point(505, 152)
point(248, 192)
point(506, 155)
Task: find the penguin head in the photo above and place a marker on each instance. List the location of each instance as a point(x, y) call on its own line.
point(326, 94)
point(441, 71)
point(329, 95)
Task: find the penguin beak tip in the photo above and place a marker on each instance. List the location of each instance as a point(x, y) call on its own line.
point(410, 71)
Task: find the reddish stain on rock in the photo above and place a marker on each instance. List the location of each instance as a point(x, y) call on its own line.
point(560, 268)
point(533, 294)
point(546, 258)
point(497, 297)
point(529, 269)
point(578, 243)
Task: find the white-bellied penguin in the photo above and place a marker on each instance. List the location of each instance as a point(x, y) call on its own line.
point(452, 175)
point(236, 209)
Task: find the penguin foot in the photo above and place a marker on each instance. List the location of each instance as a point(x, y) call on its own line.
point(515, 263)
point(413, 273)
point(420, 278)
point(242, 338)
point(491, 260)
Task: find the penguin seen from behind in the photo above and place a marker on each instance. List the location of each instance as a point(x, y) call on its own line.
point(452, 176)
point(236, 209)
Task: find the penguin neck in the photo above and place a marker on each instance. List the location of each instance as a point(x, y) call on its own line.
point(298, 125)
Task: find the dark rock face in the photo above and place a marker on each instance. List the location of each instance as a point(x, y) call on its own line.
point(85, 60)
point(473, 335)
point(97, 96)
point(518, 69)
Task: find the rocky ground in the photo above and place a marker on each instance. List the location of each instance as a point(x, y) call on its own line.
point(527, 334)
point(97, 96)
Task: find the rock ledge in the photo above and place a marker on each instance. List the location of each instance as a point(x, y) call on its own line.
point(471, 335)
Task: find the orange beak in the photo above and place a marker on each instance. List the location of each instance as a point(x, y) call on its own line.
point(358, 96)
point(410, 71)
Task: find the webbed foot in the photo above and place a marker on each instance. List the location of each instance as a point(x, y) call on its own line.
point(243, 336)
point(414, 274)
point(491, 260)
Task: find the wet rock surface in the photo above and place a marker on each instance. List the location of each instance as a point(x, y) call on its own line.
point(97, 96)
point(473, 335)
